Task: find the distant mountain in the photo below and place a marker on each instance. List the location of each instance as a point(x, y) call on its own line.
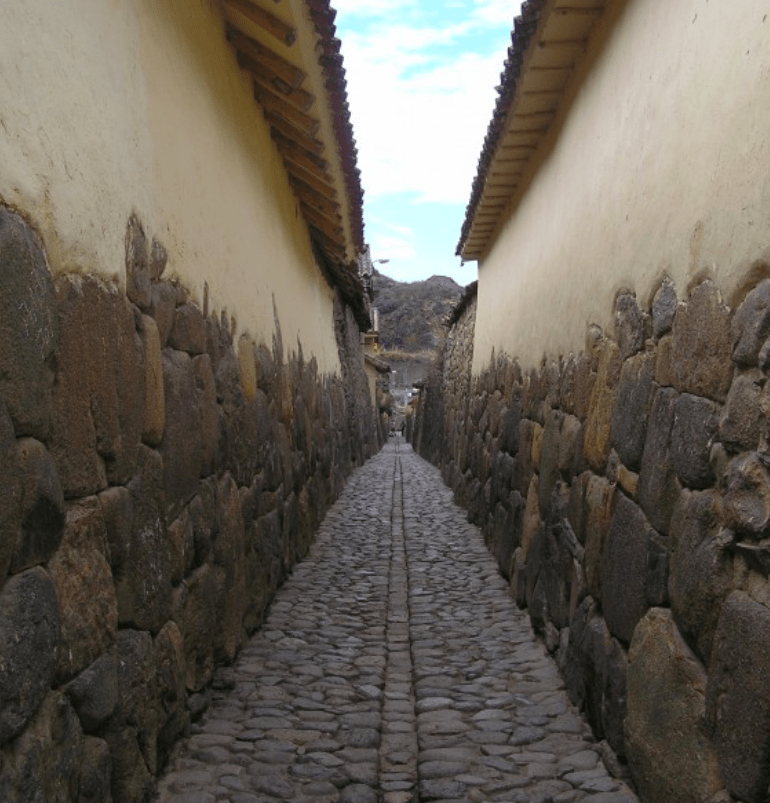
point(412, 313)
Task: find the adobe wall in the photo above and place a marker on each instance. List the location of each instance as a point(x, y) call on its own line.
point(655, 164)
point(134, 106)
point(625, 491)
point(160, 478)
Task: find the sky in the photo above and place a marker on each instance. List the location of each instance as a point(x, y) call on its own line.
point(421, 78)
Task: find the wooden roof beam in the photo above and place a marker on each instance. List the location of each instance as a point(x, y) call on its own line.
point(307, 161)
point(278, 107)
point(317, 202)
point(328, 227)
point(312, 180)
point(259, 72)
point(285, 132)
point(262, 55)
point(264, 19)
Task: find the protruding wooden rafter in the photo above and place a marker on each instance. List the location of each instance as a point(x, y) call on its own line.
point(292, 75)
point(315, 200)
point(307, 161)
point(276, 27)
point(259, 72)
point(278, 107)
point(312, 180)
point(285, 132)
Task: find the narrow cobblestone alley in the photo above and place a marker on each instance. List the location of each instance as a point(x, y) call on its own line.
point(394, 667)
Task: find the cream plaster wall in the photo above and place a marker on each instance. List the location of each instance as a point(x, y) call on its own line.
point(660, 165)
point(114, 106)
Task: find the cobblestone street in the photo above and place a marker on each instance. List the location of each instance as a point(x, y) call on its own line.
point(394, 667)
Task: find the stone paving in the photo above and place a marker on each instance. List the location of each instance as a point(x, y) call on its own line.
point(393, 667)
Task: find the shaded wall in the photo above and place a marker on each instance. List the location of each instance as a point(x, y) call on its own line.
point(160, 479)
point(625, 493)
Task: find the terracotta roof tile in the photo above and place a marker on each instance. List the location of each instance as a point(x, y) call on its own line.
point(524, 27)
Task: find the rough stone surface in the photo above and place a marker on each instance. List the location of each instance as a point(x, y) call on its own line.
point(624, 569)
point(29, 644)
point(670, 756)
point(154, 411)
point(738, 697)
point(83, 581)
point(188, 332)
point(99, 387)
point(664, 305)
point(629, 325)
point(701, 568)
point(28, 327)
point(94, 692)
point(143, 579)
point(702, 344)
point(739, 423)
point(393, 665)
point(34, 508)
point(747, 495)
point(751, 325)
point(597, 440)
point(694, 429)
point(138, 287)
point(632, 408)
point(659, 486)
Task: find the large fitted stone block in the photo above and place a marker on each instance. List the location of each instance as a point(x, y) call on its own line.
point(702, 344)
point(29, 644)
point(670, 756)
point(624, 568)
point(738, 696)
point(28, 327)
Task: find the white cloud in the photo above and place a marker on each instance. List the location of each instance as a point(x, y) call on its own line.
point(420, 119)
point(421, 78)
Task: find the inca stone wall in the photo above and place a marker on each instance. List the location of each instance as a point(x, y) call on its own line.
point(625, 492)
point(158, 483)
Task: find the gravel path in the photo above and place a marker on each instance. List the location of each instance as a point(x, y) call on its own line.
point(393, 667)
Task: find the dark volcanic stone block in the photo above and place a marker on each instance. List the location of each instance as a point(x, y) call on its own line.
point(143, 581)
point(189, 330)
point(670, 756)
point(747, 495)
point(624, 568)
point(632, 408)
point(596, 443)
point(36, 508)
point(659, 486)
point(700, 568)
point(664, 306)
point(695, 425)
point(84, 586)
point(629, 325)
point(739, 424)
point(738, 697)
point(751, 325)
point(702, 344)
point(29, 643)
point(94, 692)
point(181, 448)
point(28, 327)
point(99, 392)
point(138, 287)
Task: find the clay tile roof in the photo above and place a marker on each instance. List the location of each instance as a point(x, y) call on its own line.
point(548, 40)
point(292, 55)
point(331, 60)
point(524, 26)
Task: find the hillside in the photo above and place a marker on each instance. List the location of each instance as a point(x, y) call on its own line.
point(411, 313)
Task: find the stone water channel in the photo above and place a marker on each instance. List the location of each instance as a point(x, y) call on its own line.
point(393, 667)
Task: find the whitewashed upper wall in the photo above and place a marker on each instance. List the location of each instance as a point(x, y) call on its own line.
point(109, 107)
point(660, 165)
